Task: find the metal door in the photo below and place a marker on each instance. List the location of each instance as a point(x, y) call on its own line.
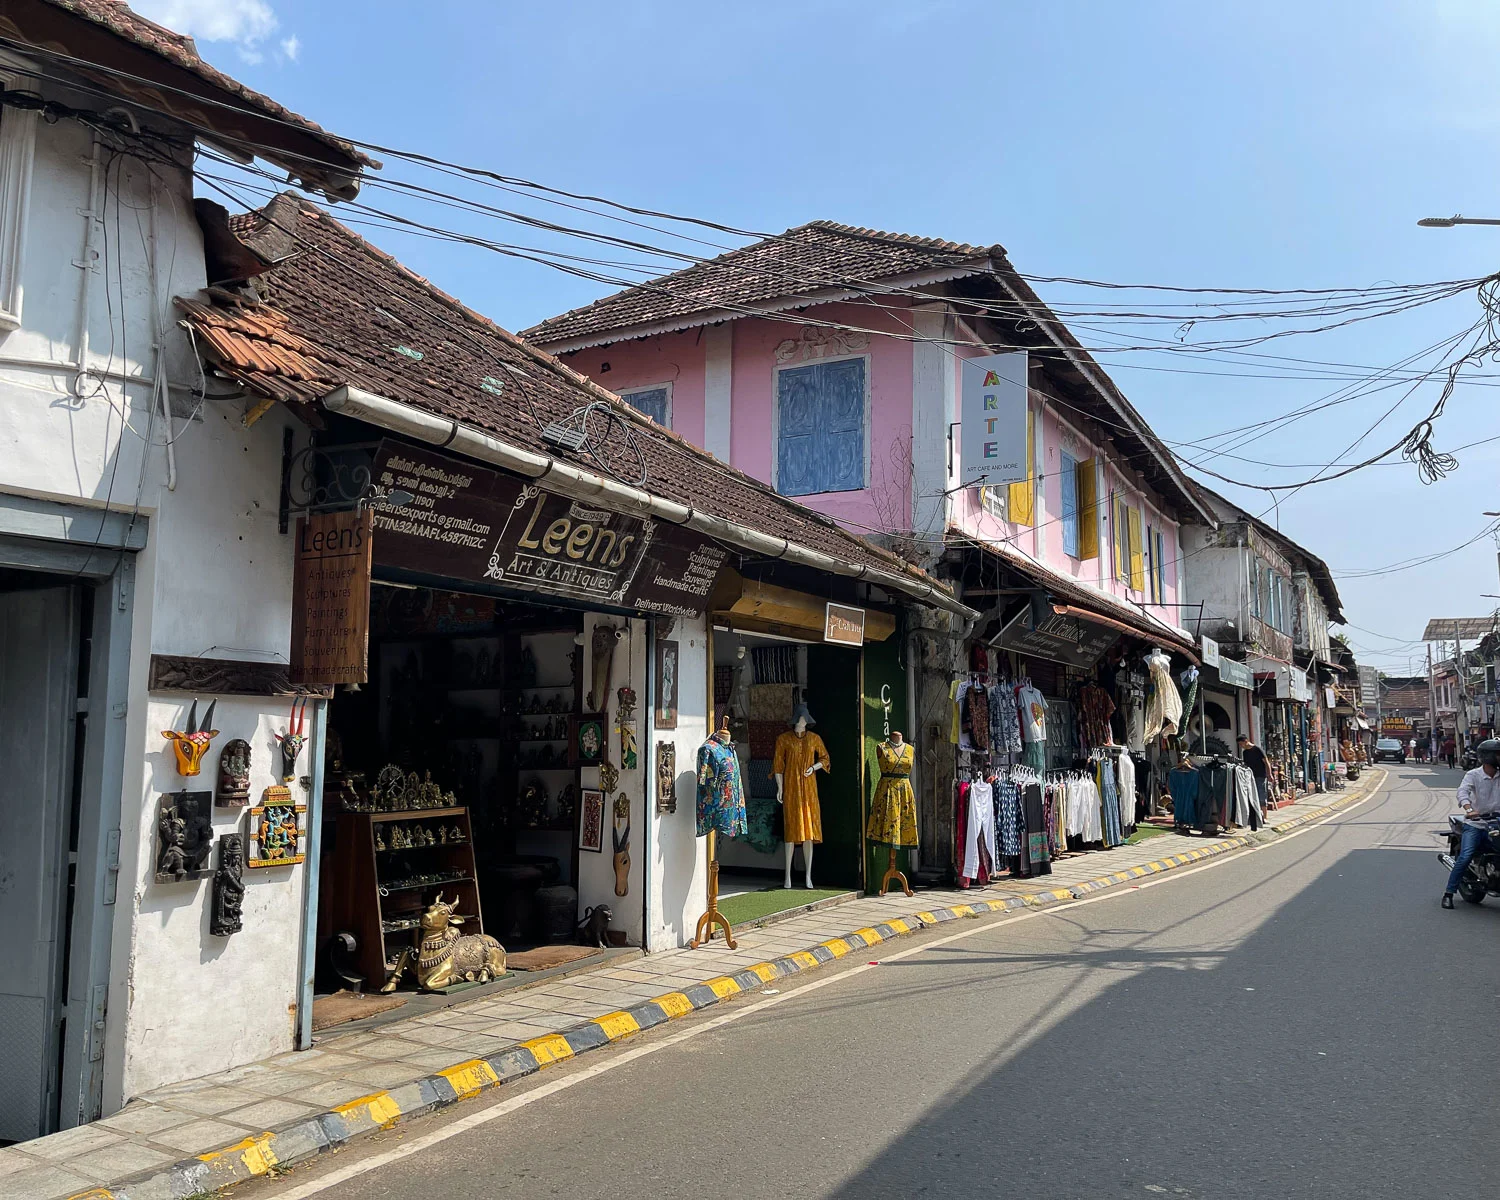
point(38, 688)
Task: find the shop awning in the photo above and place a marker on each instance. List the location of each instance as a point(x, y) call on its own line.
point(756, 607)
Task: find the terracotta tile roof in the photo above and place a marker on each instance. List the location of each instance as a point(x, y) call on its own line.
point(339, 312)
point(224, 106)
point(817, 257)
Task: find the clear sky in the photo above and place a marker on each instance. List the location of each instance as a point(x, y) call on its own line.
point(1271, 145)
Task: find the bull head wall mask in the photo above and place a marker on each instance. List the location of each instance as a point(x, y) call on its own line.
point(191, 744)
point(293, 740)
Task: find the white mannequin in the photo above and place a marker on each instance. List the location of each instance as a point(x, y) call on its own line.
point(799, 729)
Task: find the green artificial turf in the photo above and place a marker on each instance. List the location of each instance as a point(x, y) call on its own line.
point(749, 906)
point(1142, 832)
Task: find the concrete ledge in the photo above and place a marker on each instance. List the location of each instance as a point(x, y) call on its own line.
point(307, 1137)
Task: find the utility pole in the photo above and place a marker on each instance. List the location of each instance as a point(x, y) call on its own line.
point(1432, 729)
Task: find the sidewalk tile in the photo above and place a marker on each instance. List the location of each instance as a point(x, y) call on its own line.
point(45, 1182)
point(198, 1136)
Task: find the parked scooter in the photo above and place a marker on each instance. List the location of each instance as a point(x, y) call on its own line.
point(1483, 875)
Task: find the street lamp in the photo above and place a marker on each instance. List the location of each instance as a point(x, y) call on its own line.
point(1450, 222)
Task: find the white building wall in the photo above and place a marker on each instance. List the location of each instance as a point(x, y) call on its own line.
point(214, 580)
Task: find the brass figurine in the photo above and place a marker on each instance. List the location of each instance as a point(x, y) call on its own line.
point(447, 957)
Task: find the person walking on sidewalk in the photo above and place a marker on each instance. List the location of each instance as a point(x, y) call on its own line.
point(1450, 751)
point(1479, 797)
point(1255, 758)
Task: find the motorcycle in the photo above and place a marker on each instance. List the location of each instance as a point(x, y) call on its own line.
point(1483, 875)
point(1469, 759)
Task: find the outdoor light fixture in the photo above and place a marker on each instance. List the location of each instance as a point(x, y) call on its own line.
point(1450, 222)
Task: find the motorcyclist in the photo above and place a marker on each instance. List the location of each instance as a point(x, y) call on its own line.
point(1479, 797)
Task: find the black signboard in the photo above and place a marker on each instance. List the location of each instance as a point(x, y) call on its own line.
point(1059, 637)
point(472, 524)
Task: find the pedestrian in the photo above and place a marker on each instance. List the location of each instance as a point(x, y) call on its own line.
point(1450, 751)
point(1255, 758)
point(1424, 747)
point(1411, 748)
point(1479, 797)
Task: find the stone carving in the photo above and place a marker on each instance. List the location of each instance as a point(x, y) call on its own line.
point(229, 887)
point(666, 777)
point(447, 957)
point(234, 775)
point(818, 342)
point(184, 836)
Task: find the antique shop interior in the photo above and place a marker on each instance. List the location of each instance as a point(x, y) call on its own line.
point(481, 763)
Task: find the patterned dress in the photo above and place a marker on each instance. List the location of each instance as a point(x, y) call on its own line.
point(721, 798)
point(1010, 820)
point(801, 813)
point(893, 811)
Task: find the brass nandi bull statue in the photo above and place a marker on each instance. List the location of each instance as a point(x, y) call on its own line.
point(191, 744)
point(446, 956)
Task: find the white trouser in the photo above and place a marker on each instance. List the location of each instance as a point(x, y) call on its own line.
point(981, 826)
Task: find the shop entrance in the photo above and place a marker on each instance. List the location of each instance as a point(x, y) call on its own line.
point(43, 696)
point(459, 770)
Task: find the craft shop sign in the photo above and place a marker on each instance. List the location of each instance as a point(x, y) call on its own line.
point(331, 598)
point(992, 444)
point(1059, 638)
point(468, 523)
point(844, 625)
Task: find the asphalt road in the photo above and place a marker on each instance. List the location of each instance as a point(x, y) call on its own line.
point(1301, 1020)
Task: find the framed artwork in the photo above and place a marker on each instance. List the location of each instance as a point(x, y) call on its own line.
point(590, 740)
point(277, 830)
point(667, 675)
point(591, 821)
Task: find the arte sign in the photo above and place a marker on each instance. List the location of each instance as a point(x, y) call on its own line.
point(1059, 638)
point(473, 524)
point(331, 598)
point(992, 446)
point(844, 625)
point(1236, 674)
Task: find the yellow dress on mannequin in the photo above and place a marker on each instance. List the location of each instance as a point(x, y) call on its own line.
point(802, 817)
point(893, 811)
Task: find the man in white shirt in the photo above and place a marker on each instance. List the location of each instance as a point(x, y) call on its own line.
point(1479, 797)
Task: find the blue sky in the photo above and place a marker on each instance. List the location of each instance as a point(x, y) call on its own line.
point(1267, 145)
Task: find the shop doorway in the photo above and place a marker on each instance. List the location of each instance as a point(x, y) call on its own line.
point(43, 709)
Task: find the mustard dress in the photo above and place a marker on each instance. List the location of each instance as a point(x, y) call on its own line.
point(802, 817)
point(893, 811)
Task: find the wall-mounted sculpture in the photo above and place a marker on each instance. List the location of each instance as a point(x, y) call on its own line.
point(625, 723)
point(277, 830)
point(620, 837)
point(234, 775)
point(184, 836)
point(293, 740)
point(191, 744)
point(666, 777)
point(605, 639)
point(229, 887)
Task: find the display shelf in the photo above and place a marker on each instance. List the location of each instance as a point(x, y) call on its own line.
point(387, 888)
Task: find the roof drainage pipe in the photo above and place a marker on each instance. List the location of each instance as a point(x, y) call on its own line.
point(569, 480)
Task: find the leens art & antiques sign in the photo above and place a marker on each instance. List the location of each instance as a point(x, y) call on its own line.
point(469, 523)
point(331, 598)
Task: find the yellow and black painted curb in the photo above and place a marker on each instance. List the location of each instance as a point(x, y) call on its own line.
point(310, 1136)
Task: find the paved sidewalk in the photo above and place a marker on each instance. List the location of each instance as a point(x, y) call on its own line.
point(208, 1133)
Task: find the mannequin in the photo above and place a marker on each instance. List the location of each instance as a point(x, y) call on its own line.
point(802, 754)
point(893, 811)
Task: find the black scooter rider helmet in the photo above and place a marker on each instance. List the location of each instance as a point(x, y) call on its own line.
point(1488, 752)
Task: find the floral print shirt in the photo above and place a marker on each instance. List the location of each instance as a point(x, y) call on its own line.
point(721, 797)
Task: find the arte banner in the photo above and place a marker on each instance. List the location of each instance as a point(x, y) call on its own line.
point(992, 440)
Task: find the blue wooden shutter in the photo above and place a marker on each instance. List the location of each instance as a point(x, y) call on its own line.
point(1069, 478)
point(1161, 569)
point(652, 403)
point(821, 428)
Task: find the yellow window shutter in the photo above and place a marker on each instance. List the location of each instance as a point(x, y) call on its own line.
point(1020, 506)
point(1088, 509)
point(1121, 527)
point(1137, 557)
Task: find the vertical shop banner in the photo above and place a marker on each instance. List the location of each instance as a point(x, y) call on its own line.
point(331, 598)
point(992, 440)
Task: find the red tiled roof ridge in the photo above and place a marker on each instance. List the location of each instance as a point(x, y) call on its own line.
point(566, 373)
point(906, 239)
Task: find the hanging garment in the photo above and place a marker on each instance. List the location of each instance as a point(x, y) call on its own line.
point(965, 735)
point(1005, 720)
point(1126, 769)
point(1055, 806)
point(1038, 843)
point(1007, 819)
point(1183, 784)
point(893, 811)
point(721, 796)
point(1033, 707)
point(1163, 704)
point(980, 831)
point(1110, 797)
point(979, 718)
point(774, 664)
point(1036, 756)
point(1246, 799)
point(1215, 795)
point(802, 815)
point(1095, 708)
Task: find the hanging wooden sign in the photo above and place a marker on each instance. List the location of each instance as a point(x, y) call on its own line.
point(331, 598)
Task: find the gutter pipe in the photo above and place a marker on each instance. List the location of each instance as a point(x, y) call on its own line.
point(569, 480)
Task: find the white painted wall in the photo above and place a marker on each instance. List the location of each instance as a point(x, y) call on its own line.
point(214, 579)
point(679, 869)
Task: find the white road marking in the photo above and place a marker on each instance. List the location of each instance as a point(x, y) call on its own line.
point(464, 1124)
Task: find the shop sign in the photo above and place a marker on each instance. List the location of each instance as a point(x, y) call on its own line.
point(1210, 651)
point(1297, 686)
point(1059, 637)
point(992, 445)
point(1369, 685)
point(1395, 725)
point(331, 598)
point(1236, 674)
point(479, 526)
point(844, 625)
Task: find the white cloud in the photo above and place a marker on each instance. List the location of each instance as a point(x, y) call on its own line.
point(245, 24)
